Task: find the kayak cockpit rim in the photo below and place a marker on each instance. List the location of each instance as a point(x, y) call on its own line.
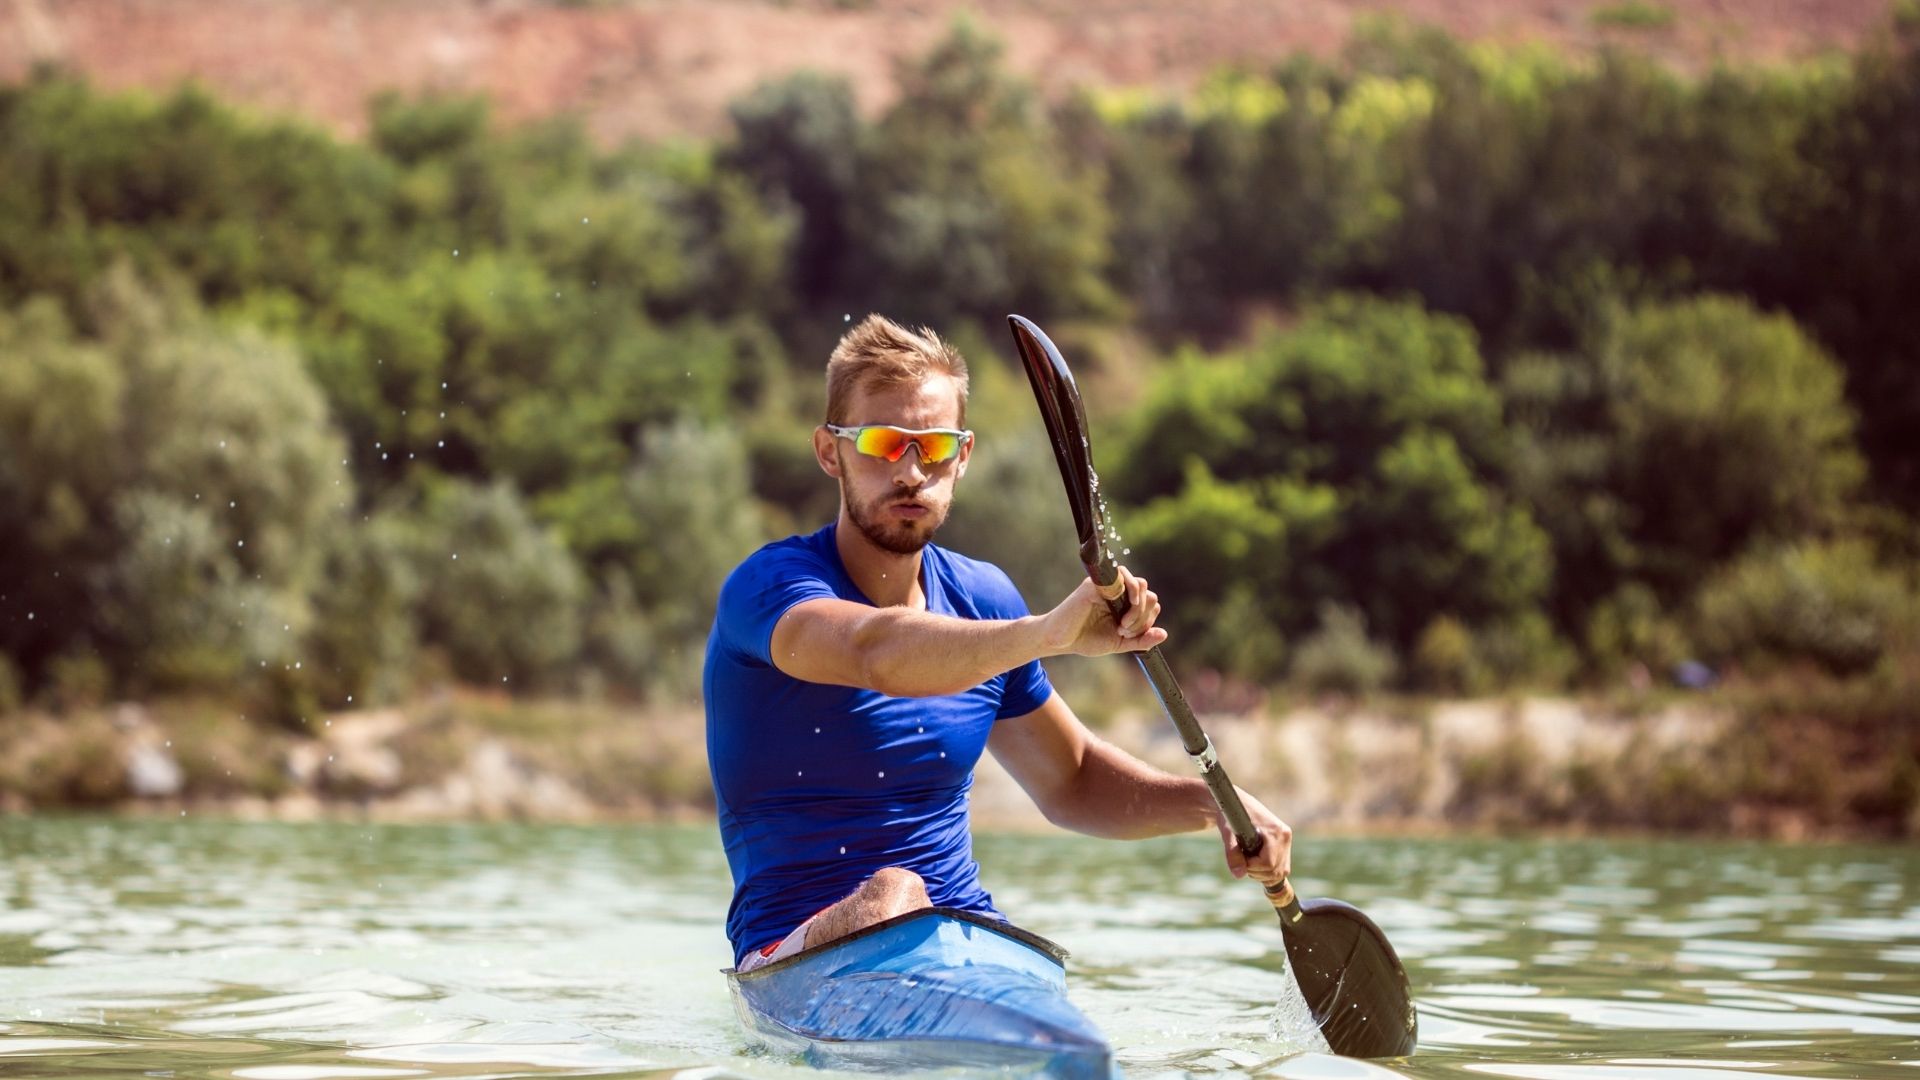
point(985, 922)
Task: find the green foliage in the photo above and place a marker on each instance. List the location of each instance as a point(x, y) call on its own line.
point(1339, 657)
point(1445, 660)
point(1344, 462)
point(1631, 627)
point(364, 638)
point(1831, 603)
point(169, 475)
point(1683, 433)
point(602, 363)
point(12, 691)
point(1633, 15)
point(694, 520)
point(498, 592)
point(798, 142)
point(966, 207)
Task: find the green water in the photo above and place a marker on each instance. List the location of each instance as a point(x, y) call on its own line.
point(182, 949)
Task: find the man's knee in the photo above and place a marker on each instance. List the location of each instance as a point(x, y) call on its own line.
point(899, 884)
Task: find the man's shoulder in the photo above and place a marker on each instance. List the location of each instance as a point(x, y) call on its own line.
point(982, 581)
point(799, 555)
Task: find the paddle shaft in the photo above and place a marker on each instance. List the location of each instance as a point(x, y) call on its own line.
point(1194, 739)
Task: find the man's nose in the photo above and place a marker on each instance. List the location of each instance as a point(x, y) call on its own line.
point(910, 471)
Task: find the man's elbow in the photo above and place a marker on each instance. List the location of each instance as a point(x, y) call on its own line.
point(889, 671)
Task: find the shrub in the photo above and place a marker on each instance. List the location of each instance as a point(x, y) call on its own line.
point(499, 593)
point(1828, 602)
point(1340, 658)
point(12, 692)
point(1446, 661)
point(1634, 15)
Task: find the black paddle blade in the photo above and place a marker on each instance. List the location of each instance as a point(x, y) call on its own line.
point(1352, 980)
point(1066, 422)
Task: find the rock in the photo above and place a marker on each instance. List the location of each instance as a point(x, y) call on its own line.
point(151, 772)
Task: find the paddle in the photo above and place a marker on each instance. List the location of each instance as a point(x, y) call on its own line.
point(1347, 971)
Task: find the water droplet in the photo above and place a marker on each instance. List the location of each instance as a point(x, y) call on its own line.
point(456, 253)
point(239, 543)
point(223, 444)
point(883, 774)
point(943, 753)
point(456, 554)
point(843, 851)
point(1126, 551)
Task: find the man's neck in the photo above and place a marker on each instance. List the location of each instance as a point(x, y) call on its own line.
point(888, 579)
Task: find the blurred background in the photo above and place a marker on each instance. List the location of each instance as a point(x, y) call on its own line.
point(1515, 403)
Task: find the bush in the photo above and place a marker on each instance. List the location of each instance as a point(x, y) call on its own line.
point(499, 593)
point(1445, 660)
point(1826, 602)
point(171, 473)
point(12, 691)
point(1634, 15)
point(1351, 460)
point(1630, 627)
point(1340, 658)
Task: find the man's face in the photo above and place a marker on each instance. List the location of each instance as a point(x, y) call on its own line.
point(897, 504)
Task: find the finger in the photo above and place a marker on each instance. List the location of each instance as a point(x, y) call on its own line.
point(1143, 641)
point(1236, 859)
point(1150, 609)
point(1144, 609)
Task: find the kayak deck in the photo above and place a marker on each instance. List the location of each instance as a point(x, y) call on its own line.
point(931, 989)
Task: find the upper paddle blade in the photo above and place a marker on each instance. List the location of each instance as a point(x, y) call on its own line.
point(1066, 421)
point(1352, 980)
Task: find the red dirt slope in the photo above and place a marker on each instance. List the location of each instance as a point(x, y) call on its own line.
point(660, 67)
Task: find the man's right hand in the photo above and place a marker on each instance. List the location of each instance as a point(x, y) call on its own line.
point(1082, 624)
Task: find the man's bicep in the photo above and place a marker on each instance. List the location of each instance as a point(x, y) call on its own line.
point(814, 641)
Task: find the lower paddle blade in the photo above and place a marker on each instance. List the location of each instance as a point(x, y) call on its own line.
point(1352, 980)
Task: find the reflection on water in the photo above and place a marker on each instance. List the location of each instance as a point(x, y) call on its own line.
point(275, 952)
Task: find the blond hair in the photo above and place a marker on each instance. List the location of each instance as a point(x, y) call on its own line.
point(880, 353)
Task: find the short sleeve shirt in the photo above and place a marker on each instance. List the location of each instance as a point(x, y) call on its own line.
point(818, 786)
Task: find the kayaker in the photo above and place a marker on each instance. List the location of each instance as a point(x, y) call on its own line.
point(854, 675)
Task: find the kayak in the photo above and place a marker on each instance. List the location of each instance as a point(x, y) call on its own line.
point(931, 989)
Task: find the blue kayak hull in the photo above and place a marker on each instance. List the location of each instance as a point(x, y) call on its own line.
point(929, 990)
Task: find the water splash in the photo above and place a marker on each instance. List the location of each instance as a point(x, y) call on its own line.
point(1292, 1024)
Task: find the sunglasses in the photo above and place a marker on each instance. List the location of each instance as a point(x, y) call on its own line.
point(886, 441)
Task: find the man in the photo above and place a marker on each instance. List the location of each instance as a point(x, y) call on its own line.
point(854, 675)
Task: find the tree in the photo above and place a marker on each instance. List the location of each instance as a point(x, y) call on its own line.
point(1353, 461)
point(167, 478)
point(1682, 434)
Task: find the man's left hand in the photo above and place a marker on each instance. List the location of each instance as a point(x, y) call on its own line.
point(1273, 862)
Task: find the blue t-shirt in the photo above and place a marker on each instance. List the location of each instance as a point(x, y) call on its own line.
point(818, 786)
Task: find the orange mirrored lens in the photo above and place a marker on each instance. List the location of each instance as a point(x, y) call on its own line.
point(890, 443)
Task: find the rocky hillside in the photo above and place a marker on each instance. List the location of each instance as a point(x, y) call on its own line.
point(663, 67)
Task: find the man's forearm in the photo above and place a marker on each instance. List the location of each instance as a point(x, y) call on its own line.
point(909, 653)
point(1117, 796)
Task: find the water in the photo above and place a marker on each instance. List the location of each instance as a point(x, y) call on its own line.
point(185, 949)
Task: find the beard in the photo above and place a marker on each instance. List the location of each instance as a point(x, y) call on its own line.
point(898, 537)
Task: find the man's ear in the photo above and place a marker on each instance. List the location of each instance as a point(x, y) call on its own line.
point(825, 452)
point(966, 455)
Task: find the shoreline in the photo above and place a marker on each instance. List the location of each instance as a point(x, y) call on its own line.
point(1537, 766)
